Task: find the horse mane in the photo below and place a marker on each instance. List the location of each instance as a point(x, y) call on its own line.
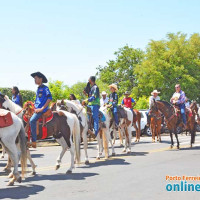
point(74, 105)
point(166, 103)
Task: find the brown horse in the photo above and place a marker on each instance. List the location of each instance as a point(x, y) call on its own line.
point(137, 124)
point(173, 120)
point(156, 121)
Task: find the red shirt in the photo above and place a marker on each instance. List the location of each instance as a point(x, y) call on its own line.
point(128, 102)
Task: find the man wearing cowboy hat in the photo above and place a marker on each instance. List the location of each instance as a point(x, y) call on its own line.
point(178, 98)
point(94, 103)
point(43, 98)
point(104, 100)
point(113, 101)
point(128, 102)
point(151, 100)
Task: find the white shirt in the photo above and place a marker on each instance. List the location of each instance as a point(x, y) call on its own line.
point(76, 102)
point(104, 101)
point(151, 98)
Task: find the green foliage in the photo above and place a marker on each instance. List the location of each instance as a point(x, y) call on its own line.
point(167, 62)
point(142, 103)
point(120, 70)
point(27, 95)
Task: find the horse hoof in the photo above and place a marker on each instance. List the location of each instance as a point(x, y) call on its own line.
point(69, 172)
point(128, 152)
point(19, 180)
point(178, 147)
point(2, 156)
point(100, 153)
point(171, 146)
point(113, 154)
point(33, 173)
point(87, 162)
point(121, 145)
point(98, 158)
point(10, 183)
point(124, 151)
point(57, 167)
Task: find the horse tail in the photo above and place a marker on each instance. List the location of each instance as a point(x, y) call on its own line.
point(105, 143)
point(23, 148)
point(77, 139)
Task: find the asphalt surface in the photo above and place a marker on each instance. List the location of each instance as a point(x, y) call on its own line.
point(139, 175)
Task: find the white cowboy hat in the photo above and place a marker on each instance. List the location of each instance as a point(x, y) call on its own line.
point(113, 86)
point(155, 92)
point(103, 93)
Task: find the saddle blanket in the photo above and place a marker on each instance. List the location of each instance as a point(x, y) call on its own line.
point(5, 118)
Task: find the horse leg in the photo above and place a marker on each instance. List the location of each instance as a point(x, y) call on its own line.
point(129, 139)
point(85, 146)
point(3, 152)
point(71, 149)
point(136, 129)
point(172, 142)
point(31, 162)
point(176, 135)
point(63, 144)
point(112, 145)
point(99, 146)
point(14, 156)
point(139, 127)
point(120, 136)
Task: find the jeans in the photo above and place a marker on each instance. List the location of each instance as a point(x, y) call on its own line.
point(33, 123)
point(95, 115)
point(115, 115)
point(182, 108)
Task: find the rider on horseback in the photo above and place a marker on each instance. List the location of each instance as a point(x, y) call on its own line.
point(43, 98)
point(94, 103)
point(128, 102)
point(151, 100)
point(178, 99)
point(113, 101)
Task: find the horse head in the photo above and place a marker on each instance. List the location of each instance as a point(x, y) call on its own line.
point(29, 108)
point(61, 105)
point(2, 98)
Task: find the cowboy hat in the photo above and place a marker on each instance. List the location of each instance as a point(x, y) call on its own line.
point(155, 92)
point(40, 75)
point(103, 93)
point(127, 93)
point(113, 86)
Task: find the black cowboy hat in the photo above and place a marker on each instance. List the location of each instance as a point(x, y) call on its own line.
point(40, 75)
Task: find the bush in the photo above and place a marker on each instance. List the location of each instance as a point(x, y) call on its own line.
point(27, 95)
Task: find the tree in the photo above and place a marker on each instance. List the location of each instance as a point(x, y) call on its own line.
point(120, 70)
point(167, 62)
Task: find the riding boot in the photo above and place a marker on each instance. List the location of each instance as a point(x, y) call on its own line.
point(34, 144)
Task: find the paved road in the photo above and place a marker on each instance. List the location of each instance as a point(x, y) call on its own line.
point(140, 175)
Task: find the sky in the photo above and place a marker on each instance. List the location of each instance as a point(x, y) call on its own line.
point(68, 39)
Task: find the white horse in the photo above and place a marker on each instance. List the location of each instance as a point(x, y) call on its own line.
point(124, 129)
point(8, 136)
point(16, 109)
point(81, 113)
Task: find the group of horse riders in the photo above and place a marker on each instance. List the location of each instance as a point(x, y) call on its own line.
point(44, 97)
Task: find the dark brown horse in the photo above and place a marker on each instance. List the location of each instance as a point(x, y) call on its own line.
point(173, 120)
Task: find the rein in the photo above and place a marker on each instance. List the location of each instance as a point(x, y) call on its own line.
point(19, 112)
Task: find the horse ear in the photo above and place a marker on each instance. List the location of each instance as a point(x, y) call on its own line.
point(62, 101)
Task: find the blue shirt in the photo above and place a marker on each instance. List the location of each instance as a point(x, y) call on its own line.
point(16, 99)
point(42, 95)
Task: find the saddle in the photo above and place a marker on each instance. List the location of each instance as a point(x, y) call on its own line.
point(43, 120)
point(5, 118)
point(121, 112)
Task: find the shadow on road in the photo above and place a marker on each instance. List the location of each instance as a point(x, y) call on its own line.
point(61, 177)
point(20, 192)
point(116, 161)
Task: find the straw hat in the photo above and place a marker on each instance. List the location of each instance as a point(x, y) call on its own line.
point(104, 93)
point(113, 86)
point(155, 92)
